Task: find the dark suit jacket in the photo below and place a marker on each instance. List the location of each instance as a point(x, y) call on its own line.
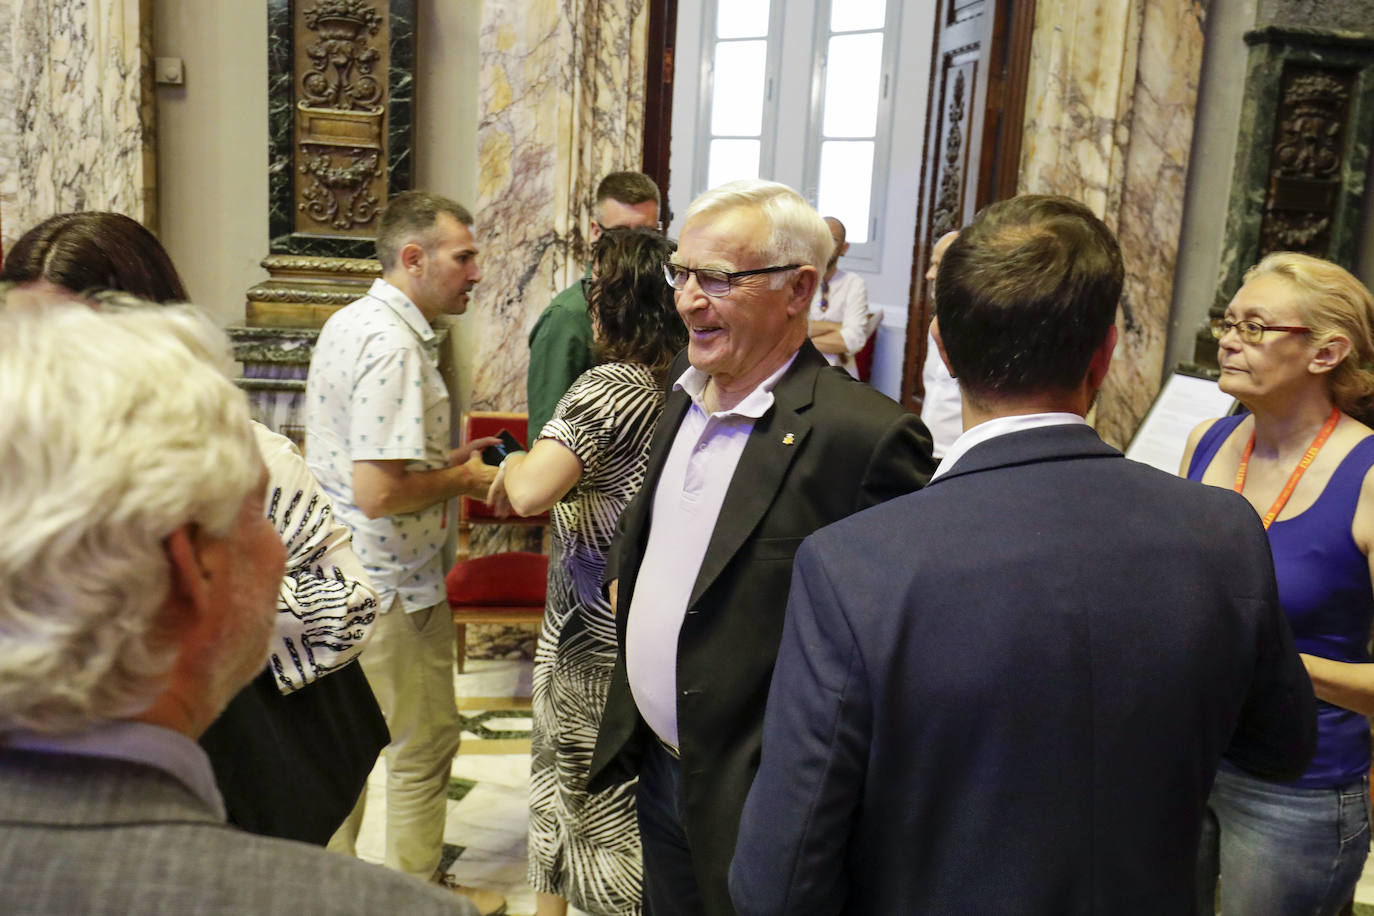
point(93, 835)
point(829, 446)
point(1010, 692)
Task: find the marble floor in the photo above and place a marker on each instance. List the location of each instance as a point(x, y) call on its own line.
point(484, 842)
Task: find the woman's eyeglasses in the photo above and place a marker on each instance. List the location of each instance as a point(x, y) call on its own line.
point(1251, 332)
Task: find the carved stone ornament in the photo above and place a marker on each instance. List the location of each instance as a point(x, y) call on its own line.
point(305, 264)
point(342, 57)
point(1309, 137)
point(301, 296)
point(1305, 164)
point(946, 216)
point(340, 195)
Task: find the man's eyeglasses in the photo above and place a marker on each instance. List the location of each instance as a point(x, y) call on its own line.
point(714, 282)
point(1251, 332)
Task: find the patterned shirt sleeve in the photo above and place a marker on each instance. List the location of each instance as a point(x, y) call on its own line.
point(326, 606)
point(584, 419)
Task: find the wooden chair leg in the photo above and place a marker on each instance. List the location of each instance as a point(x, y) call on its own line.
point(461, 644)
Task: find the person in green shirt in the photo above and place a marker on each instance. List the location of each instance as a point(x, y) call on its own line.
point(561, 340)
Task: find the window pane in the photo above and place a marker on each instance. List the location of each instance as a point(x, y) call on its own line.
point(846, 184)
point(742, 19)
point(731, 160)
point(852, 15)
point(737, 100)
point(853, 75)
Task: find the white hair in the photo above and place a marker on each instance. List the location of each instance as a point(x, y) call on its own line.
point(797, 233)
point(114, 432)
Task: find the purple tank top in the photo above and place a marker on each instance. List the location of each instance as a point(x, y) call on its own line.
point(1325, 591)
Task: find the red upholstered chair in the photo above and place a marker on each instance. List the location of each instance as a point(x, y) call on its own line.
point(505, 588)
point(863, 360)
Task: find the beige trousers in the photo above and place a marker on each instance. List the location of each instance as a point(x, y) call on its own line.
point(409, 663)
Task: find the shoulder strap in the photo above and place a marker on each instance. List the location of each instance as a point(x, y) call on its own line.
point(1210, 444)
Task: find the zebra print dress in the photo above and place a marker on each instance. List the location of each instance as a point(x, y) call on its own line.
point(584, 847)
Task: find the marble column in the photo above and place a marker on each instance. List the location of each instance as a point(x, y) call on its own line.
point(1113, 91)
point(76, 110)
point(561, 105)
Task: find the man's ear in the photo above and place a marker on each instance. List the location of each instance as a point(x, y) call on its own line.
point(1329, 355)
point(1102, 359)
point(189, 588)
point(940, 345)
point(844, 249)
point(802, 288)
point(412, 258)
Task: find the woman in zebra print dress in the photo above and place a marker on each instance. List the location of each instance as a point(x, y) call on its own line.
point(588, 463)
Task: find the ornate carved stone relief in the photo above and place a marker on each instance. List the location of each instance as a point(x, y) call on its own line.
point(340, 117)
point(1305, 169)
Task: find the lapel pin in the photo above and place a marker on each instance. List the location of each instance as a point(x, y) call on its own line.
point(789, 439)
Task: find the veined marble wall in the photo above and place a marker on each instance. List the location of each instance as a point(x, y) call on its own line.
point(76, 110)
point(1113, 90)
point(561, 104)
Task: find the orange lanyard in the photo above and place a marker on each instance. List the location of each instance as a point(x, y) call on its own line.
point(1293, 478)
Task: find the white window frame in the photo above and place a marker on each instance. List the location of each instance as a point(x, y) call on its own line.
point(866, 256)
point(768, 127)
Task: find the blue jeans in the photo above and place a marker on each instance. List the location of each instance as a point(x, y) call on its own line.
point(1280, 849)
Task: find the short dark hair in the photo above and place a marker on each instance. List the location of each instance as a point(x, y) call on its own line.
point(1025, 294)
point(410, 217)
point(630, 300)
point(628, 188)
point(93, 251)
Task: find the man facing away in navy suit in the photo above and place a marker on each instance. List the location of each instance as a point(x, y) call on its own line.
point(1009, 692)
point(138, 589)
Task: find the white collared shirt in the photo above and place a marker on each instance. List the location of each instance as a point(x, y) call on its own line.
point(374, 393)
point(942, 408)
point(687, 501)
point(1001, 426)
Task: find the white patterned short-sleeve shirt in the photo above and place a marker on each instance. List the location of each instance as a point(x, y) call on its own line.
point(374, 393)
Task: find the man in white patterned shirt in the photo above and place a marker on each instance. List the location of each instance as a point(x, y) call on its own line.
point(377, 437)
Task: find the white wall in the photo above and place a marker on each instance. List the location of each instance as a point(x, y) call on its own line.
point(889, 283)
point(212, 149)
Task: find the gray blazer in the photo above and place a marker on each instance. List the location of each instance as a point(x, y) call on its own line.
point(95, 835)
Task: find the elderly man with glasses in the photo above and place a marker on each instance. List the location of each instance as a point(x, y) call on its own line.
point(761, 442)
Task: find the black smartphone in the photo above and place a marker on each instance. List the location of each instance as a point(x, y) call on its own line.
point(495, 454)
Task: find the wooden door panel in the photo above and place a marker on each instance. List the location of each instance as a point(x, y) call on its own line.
point(974, 116)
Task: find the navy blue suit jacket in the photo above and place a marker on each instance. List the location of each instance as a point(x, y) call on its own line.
point(1009, 692)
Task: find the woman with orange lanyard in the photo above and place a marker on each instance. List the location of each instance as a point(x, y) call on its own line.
point(1296, 347)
